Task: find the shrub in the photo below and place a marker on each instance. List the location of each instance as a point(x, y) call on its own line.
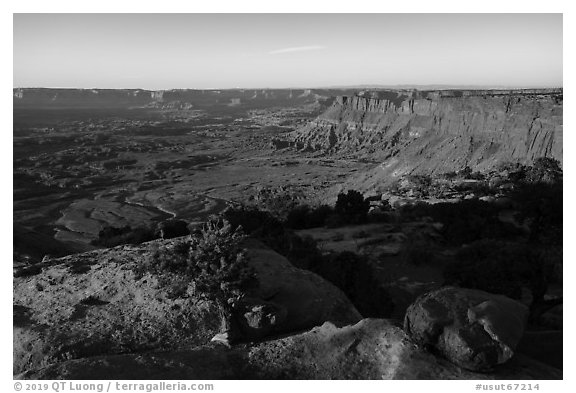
point(465, 172)
point(500, 267)
point(297, 217)
point(465, 221)
point(301, 251)
point(354, 275)
point(305, 217)
point(419, 185)
point(212, 262)
point(112, 236)
point(349, 272)
point(318, 216)
point(262, 225)
point(544, 170)
point(254, 221)
point(278, 201)
point(169, 229)
point(418, 251)
point(334, 221)
point(542, 205)
point(352, 206)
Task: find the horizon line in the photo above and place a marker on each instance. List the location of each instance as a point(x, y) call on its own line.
point(403, 86)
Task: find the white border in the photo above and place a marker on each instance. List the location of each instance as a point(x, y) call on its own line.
point(247, 6)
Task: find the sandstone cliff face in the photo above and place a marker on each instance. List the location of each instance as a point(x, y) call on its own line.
point(439, 131)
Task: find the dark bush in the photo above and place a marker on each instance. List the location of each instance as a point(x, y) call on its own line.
point(298, 217)
point(352, 207)
point(500, 267)
point(544, 170)
point(318, 216)
point(351, 273)
point(354, 275)
point(418, 251)
point(254, 221)
point(419, 185)
point(465, 221)
point(542, 205)
point(334, 221)
point(169, 229)
point(212, 261)
point(305, 217)
point(464, 173)
point(112, 237)
point(262, 225)
point(278, 201)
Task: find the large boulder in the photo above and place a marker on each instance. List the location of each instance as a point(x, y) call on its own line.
point(471, 328)
point(308, 299)
point(94, 304)
point(370, 349)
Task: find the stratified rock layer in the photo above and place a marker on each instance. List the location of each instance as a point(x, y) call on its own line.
point(437, 132)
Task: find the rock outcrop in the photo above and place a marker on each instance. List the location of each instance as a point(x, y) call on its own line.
point(438, 131)
point(370, 349)
point(473, 329)
point(93, 304)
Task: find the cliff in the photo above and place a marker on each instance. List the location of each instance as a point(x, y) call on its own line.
point(439, 131)
point(199, 99)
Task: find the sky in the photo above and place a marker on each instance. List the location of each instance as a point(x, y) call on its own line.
point(166, 51)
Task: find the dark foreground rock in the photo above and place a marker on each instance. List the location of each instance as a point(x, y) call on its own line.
point(92, 304)
point(471, 328)
point(370, 349)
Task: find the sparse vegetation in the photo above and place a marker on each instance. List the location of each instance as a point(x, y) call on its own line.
point(502, 267)
point(350, 272)
point(418, 251)
point(352, 207)
point(211, 265)
point(354, 275)
point(111, 237)
point(304, 216)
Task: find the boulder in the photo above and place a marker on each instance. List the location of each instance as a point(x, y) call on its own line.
point(94, 304)
point(471, 328)
point(308, 299)
point(370, 349)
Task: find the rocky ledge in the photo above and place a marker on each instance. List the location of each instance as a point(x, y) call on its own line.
point(88, 316)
